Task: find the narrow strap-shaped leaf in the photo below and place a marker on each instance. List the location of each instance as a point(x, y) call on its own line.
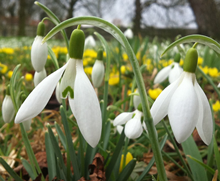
point(73, 157)
point(115, 156)
point(107, 134)
point(10, 170)
point(190, 148)
point(61, 136)
point(51, 162)
point(28, 168)
point(90, 153)
point(126, 172)
point(217, 156)
point(1, 179)
point(150, 164)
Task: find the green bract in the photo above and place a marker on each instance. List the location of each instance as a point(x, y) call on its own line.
point(41, 29)
point(191, 59)
point(100, 54)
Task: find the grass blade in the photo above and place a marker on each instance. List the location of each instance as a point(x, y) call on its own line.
point(61, 136)
point(126, 172)
point(28, 168)
point(217, 156)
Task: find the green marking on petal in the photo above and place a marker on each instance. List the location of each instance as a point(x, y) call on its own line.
point(68, 90)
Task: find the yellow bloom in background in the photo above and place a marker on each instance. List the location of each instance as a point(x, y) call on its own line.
point(90, 53)
point(123, 69)
point(88, 70)
point(104, 54)
point(125, 56)
point(205, 69)
point(138, 55)
point(28, 77)
point(200, 60)
point(3, 68)
point(117, 49)
point(216, 106)
point(129, 92)
point(213, 72)
point(154, 93)
point(129, 157)
point(113, 79)
point(10, 74)
point(181, 62)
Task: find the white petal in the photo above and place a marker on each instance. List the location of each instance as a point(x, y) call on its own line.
point(98, 72)
point(8, 110)
point(119, 128)
point(68, 79)
point(160, 106)
point(183, 110)
point(218, 85)
point(90, 41)
point(85, 107)
point(128, 33)
point(162, 75)
point(175, 73)
point(58, 93)
point(133, 128)
point(122, 118)
point(27, 125)
point(205, 124)
point(39, 76)
point(38, 54)
point(39, 97)
point(136, 100)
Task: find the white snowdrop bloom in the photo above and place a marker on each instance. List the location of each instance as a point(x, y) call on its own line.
point(39, 50)
point(173, 71)
point(8, 110)
point(136, 99)
point(218, 85)
point(186, 104)
point(76, 86)
point(39, 76)
point(27, 125)
point(90, 41)
point(58, 93)
point(98, 70)
point(132, 120)
point(128, 33)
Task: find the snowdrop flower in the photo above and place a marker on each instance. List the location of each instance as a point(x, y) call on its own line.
point(128, 33)
point(218, 85)
point(98, 70)
point(90, 41)
point(136, 99)
point(132, 120)
point(8, 110)
point(39, 50)
point(186, 104)
point(76, 86)
point(173, 71)
point(58, 93)
point(39, 76)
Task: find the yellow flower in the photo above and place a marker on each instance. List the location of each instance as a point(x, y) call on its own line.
point(28, 77)
point(181, 62)
point(216, 106)
point(138, 55)
point(205, 69)
point(200, 60)
point(125, 56)
point(3, 68)
point(10, 74)
point(90, 53)
point(154, 93)
point(129, 92)
point(123, 69)
point(213, 72)
point(113, 79)
point(88, 70)
point(129, 157)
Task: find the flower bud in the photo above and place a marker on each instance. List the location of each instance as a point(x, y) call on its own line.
point(191, 60)
point(39, 76)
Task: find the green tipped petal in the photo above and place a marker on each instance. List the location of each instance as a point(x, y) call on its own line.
point(77, 41)
point(191, 59)
point(41, 29)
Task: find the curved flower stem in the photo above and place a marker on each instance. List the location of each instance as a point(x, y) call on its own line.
point(117, 33)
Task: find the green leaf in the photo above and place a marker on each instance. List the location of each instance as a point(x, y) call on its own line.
point(53, 57)
point(126, 172)
point(195, 38)
point(28, 168)
point(10, 170)
point(1, 179)
point(51, 162)
point(217, 156)
point(61, 136)
point(190, 148)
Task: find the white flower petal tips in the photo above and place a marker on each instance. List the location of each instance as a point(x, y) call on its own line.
point(39, 76)
point(38, 54)
point(98, 72)
point(85, 107)
point(8, 110)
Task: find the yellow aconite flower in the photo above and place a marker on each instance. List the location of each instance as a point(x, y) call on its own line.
point(200, 60)
point(181, 62)
point(216, 106)
point(129, 92)
point(213, 72)
point(129, 157)
point(28, 77)
point(205, 69)
point(10, 74)
point(113, 79)
point(123, 69)
point(90, 53)
point(125, 56)
point(3, 68)
point(88, 70)
point(154, 93)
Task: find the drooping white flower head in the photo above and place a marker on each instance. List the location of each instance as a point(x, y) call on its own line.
point(98, 70)
point(90, 41)
point(172, 71)
point(128, 33)
point(218, 85)
point(39, 50)
point(136, 100)
point(8, 110)
point(39, 76)
point(82, 97)
point(132, 120)
point(186, 104)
